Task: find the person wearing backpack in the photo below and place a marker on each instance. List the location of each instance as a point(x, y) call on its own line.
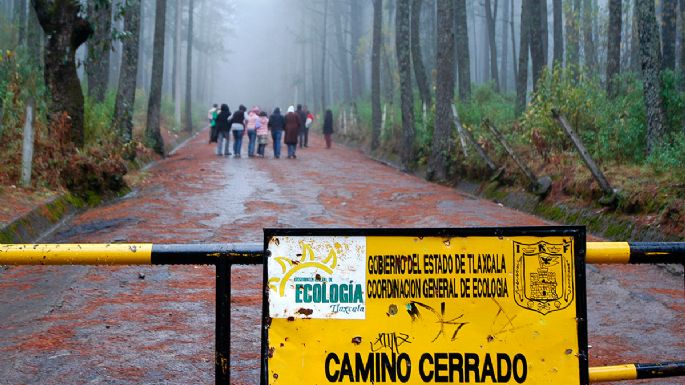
point(292, 130)
point(211, 116)
point(237, 124)
point(262, 133)
point(222, 129)
point(276, 125)
point(252, 124)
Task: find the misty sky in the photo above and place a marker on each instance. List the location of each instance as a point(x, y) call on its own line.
point(253, 72)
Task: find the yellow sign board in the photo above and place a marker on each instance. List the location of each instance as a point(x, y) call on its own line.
point(425, 306)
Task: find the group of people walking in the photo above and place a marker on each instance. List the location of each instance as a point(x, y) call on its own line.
point(292, 128)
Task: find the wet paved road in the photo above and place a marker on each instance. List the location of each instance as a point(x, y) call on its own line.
point(108, 325)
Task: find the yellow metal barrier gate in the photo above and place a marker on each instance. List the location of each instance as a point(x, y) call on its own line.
point(223, 256)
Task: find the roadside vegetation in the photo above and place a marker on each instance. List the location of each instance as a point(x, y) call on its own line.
point(649, 187)
point(96, 169)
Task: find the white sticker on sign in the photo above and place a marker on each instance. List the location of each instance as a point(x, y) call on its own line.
point(317, 277)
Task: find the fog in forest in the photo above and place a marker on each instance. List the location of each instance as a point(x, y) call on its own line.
point(261, 56)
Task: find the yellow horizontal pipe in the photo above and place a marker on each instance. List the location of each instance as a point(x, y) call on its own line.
point(613, 373)
point(607, 252)
point(76, 254)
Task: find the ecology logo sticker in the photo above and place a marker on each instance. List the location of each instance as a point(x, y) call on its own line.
point(317, 277)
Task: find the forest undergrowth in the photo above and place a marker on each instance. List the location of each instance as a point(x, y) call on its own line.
point(91, 173)
point(650, 189)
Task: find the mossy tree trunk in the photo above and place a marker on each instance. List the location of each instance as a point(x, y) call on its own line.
point(99, 46)
point(376, 74)
point(589, 51)
point(189, 71)
point(402, 33)
point(66, 31)
point(558, 56)
point(463, 58)
point(490, 20)
point(522, 73)
point(444, 94)
point(572, 34)
point(614, 45)
point(417, 58)
point(538, 53)
point(648, 32)
point(153, 136)
point(669, 18)
point(126, 91)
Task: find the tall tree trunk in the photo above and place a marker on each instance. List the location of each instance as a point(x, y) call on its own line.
point(444, 94)
point(323, 57)
point(153, 136)
point(462, 41)
point(681, 59)
point(402, 32)
point(66, 31)
point(376, 74)
point(491, 24)
point(176, 71)
point(35, 38)
point(573, 34)
point(303, 54)
point(589, 50)
point(189, 71)
point(342, 54)
point(513, 42)
point(558, 33)
point(97, 64)
point(522, 78)
point(504, 83)
point(614, 45)
point(635, 61)
point(126, 91)
point(417, 58)
point(669, 18)
point(537, 53)
point(472, 17)
point(650, 64)
point(544, 27)
point(21, 22)
point(355, 38)
point(390, 70)
point(682, 41)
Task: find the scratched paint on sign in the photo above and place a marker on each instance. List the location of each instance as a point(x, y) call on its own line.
point(477, 309)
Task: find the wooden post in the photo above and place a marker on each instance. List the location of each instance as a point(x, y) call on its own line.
point(469, 137)
point(460, 131)
point(354, 116)
point(344, 121)
point(385, 111)
point(27, 153)
point(539, 186)
point(609, 193)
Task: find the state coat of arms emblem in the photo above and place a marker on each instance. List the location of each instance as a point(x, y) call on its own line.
point(544, 275)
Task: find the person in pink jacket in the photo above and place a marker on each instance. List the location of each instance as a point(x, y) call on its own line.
point(262, 133)
point(251, 124)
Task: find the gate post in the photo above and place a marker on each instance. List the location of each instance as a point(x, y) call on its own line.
point(222, 360)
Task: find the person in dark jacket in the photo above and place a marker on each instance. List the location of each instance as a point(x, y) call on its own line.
point(303, 133)
point(328, 127)
point(222, 131)
point(292, 130)
point(238, 128)
point(276, 126)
